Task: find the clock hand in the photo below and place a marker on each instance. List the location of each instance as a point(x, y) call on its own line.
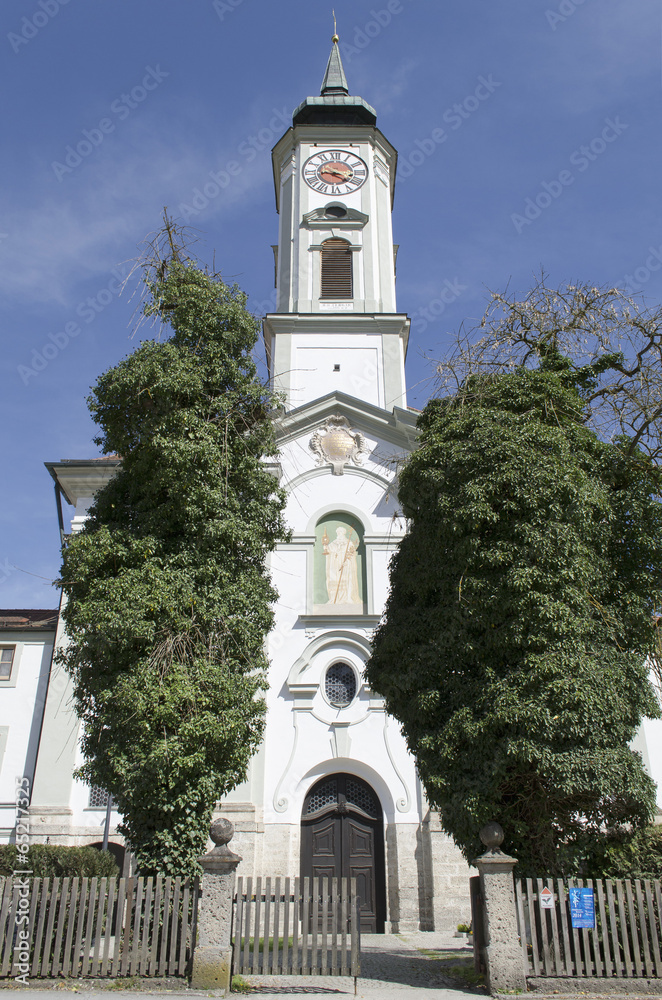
point(343, 174)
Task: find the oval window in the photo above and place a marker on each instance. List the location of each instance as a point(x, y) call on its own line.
point(340, 685)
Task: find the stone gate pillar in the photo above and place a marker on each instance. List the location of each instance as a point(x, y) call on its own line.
point(502, 952)
point(212, 956)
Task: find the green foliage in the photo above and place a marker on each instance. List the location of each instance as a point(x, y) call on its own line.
point(49, 860)
point(520, 616)
point(628, 854)
point(240, 985)
point(168, 597)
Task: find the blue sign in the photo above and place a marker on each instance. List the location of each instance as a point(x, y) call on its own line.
point(582, 907)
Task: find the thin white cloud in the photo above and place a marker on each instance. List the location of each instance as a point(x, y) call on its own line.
point(604, 50)
point(84, 225)
point(385, 95)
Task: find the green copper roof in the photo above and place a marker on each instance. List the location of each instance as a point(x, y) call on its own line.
point(335, 81)
point(334, 106)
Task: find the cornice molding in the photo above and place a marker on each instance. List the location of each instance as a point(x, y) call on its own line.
point(317, 219)
point(397, 426)
point(78, 478)
point(334, 323)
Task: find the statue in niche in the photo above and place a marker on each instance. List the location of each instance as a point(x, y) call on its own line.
point(342, 578)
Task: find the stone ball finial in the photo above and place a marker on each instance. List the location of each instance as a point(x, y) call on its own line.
point(491, 836)
point(221, 831)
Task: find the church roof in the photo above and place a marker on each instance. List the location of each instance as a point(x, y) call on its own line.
point(335, 105)
point(24, 618)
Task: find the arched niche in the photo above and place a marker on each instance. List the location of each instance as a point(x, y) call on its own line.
point(339, 565)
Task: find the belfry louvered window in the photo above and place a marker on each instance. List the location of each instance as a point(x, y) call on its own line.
point(336, 270)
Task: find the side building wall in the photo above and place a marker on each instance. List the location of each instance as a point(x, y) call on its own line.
point(23, 685)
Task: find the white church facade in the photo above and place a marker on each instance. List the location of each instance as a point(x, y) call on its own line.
point(333, 789)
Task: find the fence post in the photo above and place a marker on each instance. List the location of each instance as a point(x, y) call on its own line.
point(212, 957)
point(503, 953)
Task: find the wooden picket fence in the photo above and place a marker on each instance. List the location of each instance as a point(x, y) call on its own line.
point(100, 926)
point(296, 927)
point(625, 942)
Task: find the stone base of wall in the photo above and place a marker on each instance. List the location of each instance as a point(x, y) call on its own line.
point(407, 879)
point(52, 822)
point(449, 881)
point(54, 825)
point(265, 849)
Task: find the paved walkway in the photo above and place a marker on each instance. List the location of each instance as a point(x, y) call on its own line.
point(393, 967)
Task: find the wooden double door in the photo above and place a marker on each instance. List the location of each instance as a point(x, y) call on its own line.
point(342, 836)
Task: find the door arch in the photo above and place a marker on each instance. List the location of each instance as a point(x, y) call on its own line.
point(342, 836)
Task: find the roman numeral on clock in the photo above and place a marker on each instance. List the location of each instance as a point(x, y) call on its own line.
point(334, 171)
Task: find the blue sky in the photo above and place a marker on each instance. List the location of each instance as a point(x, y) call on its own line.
point(547, 154)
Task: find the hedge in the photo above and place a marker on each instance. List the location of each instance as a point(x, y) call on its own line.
point(636, 857)
point(49, 860)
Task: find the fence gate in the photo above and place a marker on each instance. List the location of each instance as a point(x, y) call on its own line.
point(296, 927)
point(624, 943)
point(98, 926)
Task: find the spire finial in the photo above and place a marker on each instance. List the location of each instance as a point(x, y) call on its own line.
point(335, 38)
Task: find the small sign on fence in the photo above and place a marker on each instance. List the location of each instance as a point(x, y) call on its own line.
point(582, 907)
point(547, 899)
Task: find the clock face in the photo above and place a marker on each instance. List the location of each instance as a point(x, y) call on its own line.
point(334, 171)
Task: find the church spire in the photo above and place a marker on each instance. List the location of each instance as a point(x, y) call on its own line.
point(335, 81)
point(334, 106)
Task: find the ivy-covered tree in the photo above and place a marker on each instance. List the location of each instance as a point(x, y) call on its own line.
point(168, 597)
point(514, 644)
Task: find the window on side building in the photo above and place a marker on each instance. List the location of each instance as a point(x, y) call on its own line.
point(6, 662)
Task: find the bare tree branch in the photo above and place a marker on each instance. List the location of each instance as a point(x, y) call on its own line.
point(610, 339)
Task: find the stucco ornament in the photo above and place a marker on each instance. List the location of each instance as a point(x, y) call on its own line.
point(336, 444)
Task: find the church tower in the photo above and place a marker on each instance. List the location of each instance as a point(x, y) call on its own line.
point(336, 323)
point(333, 789)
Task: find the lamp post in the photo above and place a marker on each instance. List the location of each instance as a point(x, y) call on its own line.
point(106, 825)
